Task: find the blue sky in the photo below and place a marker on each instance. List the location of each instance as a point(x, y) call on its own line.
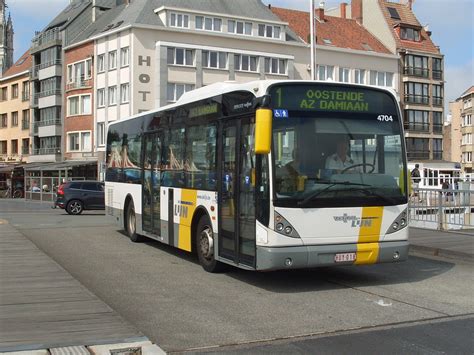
point(451, 22)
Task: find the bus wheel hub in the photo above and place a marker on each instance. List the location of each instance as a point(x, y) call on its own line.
point(207, 243)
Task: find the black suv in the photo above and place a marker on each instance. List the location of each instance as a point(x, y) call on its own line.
point(77, 196)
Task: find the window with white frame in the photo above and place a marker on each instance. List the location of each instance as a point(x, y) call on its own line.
point(79, 105)
point(100, 133)
point(79, 71)
point(112, 60)
point(101, 63)
point(269, 31)
point(179, 20)
point(100, 97)
point(124, 93)
point(79, 141)
point(275, 66)
point(112, 95)
point(239, 27)
point(325, 72)
point(467, 121)
point(381, 78)
point(467, 138)
point(467, 103)
point(180, 56)
point(467, 157)
point(344, 75)
point(176, 90)
point(359, 76)
point(211, 59)
point(208, 23)
point(124, 56)
point(244, 62)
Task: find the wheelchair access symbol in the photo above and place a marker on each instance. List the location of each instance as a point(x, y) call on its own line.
point(280, 113)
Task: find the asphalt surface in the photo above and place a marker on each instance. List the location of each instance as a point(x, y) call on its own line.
point(166, 295)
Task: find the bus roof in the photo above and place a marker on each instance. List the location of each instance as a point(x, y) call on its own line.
point(256, 87)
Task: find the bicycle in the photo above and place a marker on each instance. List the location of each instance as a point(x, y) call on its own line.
point(18, 193)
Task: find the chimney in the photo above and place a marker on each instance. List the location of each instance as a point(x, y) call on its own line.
point(343, 9)
point(269, 6)
point(356, 11)
point(320, 12)
point(410, 4)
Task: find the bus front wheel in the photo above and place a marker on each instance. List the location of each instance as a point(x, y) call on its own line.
point(205, 246)
point(131, 223)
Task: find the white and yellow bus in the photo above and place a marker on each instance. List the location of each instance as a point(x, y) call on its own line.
point(265, 175)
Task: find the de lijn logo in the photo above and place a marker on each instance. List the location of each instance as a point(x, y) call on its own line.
point(355, 221)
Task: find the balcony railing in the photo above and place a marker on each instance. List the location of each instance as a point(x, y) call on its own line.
point(417, 127)
point(417, 99)
point(437, 74)
point(47, 151)
point(424, 73)
point(46, 37)
point(25, 124)
point(25, 150)
point(418, 154)
point(25, 96)
point(51, 122)
point(49, 92)
point(79, 84)
point(438, 101)
point(437, 128)
point(437, 155)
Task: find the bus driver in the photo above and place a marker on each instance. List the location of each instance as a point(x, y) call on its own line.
point(340, 160)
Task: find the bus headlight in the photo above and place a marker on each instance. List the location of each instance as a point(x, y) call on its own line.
point(399, 223)
point(282, 226)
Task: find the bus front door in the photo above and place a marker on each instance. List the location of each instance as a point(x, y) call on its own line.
point(151, 179)
point(237, 193)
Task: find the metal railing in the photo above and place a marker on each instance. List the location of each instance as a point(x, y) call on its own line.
point(49, 92)
point(46, 37)
point(46, 151)
point(25, 124)
point(442, 209)
point(78, 84)
point(51, 122)
point(414, 71)
point(417, 99)
point(418, 127)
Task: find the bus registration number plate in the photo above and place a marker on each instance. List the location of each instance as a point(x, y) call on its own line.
point(343, 257)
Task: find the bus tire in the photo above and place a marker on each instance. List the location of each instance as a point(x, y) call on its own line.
point(131, 223)
point(205, 246)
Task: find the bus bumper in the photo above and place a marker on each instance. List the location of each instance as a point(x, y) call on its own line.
point(325, 255)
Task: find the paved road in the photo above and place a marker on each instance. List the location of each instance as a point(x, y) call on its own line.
point(167, 295)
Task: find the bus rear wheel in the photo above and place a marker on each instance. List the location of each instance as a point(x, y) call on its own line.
point(205, 246)
point(131, 223)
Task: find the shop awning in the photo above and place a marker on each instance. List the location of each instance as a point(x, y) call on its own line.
point(59, 166)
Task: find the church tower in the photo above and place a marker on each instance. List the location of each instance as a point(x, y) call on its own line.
point(6, 39)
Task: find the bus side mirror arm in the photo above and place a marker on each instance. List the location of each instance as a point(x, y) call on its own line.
point(263, 130)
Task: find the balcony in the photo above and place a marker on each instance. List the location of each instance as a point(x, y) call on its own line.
point(79, 84)
point(47, 128)
point(49, 98)
point(47, 151)
point(417, 127)
point(437, 74)
point(419, 72)
point(437, 155)
point(417, 99)
point(46, 39)
point(437, 101)
point(438, 128)
point(418, 154)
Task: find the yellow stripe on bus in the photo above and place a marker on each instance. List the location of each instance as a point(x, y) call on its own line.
point(188, 205)
point(369, 235)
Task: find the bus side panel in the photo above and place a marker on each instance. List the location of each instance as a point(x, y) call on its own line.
point(115, 196)
point(184, 205)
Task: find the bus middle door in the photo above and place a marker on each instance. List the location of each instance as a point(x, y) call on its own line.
point(237, 192)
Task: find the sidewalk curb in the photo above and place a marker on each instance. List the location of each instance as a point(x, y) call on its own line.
point(432, 251)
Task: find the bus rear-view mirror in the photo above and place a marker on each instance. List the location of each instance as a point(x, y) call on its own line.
point(263, 131)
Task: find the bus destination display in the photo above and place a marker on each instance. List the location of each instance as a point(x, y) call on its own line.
point(331, 98)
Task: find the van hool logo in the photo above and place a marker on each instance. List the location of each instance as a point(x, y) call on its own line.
point(355, 221)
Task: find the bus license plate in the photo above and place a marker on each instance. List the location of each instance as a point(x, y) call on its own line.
point(343, 257)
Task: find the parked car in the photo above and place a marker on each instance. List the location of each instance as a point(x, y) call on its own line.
point(77, 196)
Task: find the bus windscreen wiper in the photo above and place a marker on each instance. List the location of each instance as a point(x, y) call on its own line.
point(376, 194)
point(330, 184)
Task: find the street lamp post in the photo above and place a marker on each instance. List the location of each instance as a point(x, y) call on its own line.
point(312, 41)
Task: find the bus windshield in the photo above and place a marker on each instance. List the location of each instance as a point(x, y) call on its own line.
point(331, 158)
